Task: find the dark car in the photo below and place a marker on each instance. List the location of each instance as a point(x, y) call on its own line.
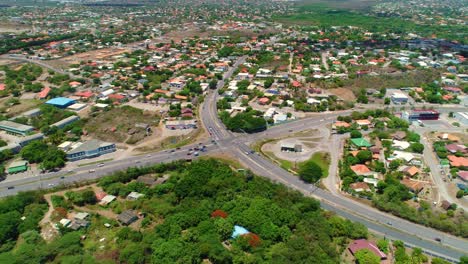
point(11, 187)
point(438, 239)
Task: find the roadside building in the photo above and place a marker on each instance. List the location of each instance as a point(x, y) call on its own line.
point(416, 115)
point(457, 161)
point(361, 169)
point(17, 166)
point(127, 217)
point(90, 149)
point(15, 128)
point(181, 124)
point(291, 147)
point(360, 187)
point(61, 102)
point(461, 117)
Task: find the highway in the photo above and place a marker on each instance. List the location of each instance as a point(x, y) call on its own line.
point(450, 247)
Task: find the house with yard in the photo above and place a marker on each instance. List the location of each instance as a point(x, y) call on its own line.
point(360, 143)
point(127, 217)
point(457, 161)
point(360, 187)
point(361, 169)
point(413, 186)
point(359, 244)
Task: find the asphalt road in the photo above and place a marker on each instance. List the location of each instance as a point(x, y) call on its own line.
point(450, 247)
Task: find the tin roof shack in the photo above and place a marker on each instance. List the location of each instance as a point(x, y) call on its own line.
point(127, 217)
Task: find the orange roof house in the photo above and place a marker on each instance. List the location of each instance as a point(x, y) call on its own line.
point(180, 97)
point(341, 124)
point(414, 186)
point(44, 93)
point(411, 171)
point(74, 84)
point(457, 161)
point(360, 169)
point(360, 186)
point(2, 86)
point(263, 100)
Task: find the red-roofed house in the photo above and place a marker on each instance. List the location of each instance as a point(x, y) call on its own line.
point(458, 161)
point(84, 94)
point(263, 100)
point(2, 87)
point(361, 169)
point(116, 97)
point(296, 84)
point(74, 84)
point(44, 93)
point(359, 244)
point(463, 175)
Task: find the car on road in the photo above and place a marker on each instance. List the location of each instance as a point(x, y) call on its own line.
point(178, 148)
point(438, 239)
point(91, 171)
point(247, 153)
point(149, 155)
point(137, 161)
point(389, 223)
point(172, 150)
point(62, 177)
point(10, 187)
point(51, 184)
point(196, 154)
point(101, 165)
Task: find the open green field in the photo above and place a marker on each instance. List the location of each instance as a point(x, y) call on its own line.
point(335, 13)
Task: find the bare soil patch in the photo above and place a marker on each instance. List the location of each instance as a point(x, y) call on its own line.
point(343, 93)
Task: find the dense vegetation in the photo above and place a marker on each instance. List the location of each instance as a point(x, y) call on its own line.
point(248, 122)
point(188, 218)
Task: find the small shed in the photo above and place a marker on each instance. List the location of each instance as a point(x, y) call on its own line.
point(127, 217)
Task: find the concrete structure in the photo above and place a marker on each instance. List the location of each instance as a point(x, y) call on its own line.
point(399, 98)
point(18, 166)
point(291, 147)
point(61, 102)
point(181, 124)
point(90, 149)
point(64, 122)
point(133, 196)
point(29, 114)
point(462, 117)
point(15, 128)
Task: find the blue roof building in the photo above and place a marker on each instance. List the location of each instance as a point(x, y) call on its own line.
point(239, 231)
point(61, 102)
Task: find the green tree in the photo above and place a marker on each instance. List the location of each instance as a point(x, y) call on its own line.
point(355, 134)
point(310, 172)
point(365, 256)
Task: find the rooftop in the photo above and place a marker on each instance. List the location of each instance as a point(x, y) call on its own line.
point(89, 146)
point(14, 125)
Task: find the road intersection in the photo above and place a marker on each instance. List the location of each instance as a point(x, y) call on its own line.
point(414, 235)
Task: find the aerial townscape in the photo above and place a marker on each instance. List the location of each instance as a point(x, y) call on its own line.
point(235, 131)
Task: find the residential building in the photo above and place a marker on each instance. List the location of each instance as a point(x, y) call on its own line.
point(17, 166)
point(90, 149)
point(457, 161)
point(127, 217)
point(413, 186)
point(360, 142)
point(15, 128)
point(463, 175)
point(360, 187)
point(133, 196)
point(361, 169)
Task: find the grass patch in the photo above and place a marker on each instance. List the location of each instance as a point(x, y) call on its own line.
point(25, 105)
point(117, 124)
point(323, 160)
